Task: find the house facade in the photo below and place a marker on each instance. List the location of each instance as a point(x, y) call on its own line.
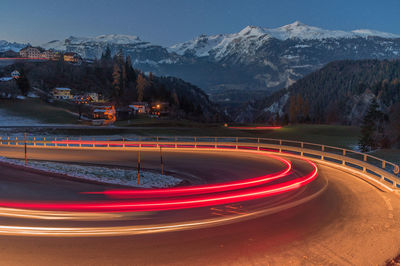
point(71, 57)
point(31, 52)
point(94, 96)
point(37, 53)
point(140, 107)
point(104, 114)
point(15, 74)
point(62, 93)
point(160, 109)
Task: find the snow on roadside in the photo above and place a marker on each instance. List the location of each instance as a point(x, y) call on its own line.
point(127, 177)
point(8, 119)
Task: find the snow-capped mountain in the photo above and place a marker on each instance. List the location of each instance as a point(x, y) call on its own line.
point(254, 37)
point(112, 39)
point(257, 61)
point(10, 46)
point(93, 47)
point(237, 67)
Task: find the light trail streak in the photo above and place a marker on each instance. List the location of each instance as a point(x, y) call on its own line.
point(257, 128)
point(147, 229)
point(152, 200)
point(25, 58)
point(171, 204)
point(203, 189)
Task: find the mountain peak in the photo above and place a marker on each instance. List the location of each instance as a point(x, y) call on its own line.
point(252, 30)
point(296, 24)
point(106, 38)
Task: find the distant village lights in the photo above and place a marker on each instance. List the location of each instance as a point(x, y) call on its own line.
point(39, 53)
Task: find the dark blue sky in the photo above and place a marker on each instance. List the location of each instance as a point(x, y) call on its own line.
point(170, 21)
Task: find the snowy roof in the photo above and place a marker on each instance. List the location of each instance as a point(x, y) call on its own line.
point(62, 89)
point(133, 107)
point(6, 78)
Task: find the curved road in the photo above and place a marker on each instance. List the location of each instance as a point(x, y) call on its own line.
point(352, 222)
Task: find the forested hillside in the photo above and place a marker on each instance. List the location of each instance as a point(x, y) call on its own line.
point(336, 92)
point(117, 80)
point(339, 93)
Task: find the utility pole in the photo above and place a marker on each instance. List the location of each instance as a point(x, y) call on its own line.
point(25, 147)
point(162, 162)
point(138, 169)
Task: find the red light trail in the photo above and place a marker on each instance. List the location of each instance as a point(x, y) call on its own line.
point(25, 58)
point(257, 128)
point(192, 201)
point(203, 189)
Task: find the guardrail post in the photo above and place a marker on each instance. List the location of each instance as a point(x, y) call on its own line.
point(195, 142)
point(323, 150)
point(383, 164)
point(25, 148)
point(396, 170)
point(365, 158)
point(215, 142)
point(44, 143)
point(237, 143)
point(302, 147)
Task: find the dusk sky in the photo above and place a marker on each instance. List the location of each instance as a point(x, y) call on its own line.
point(167, 22)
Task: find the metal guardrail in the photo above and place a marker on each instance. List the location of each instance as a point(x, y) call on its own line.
point(381, 170)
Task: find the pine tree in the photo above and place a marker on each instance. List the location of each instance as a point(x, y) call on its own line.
point(23, 83)
point(124, 75)
point(116, 84)
point(106, 56)
point(370, 127)
point(130, 72)
point(141, 86)
point(175, 97)
point(292, 109)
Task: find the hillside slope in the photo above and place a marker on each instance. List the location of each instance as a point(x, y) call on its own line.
point(186, 100)
point(340, 92)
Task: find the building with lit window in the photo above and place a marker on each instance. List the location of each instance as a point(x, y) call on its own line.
point(72, 57)
point(62, 93)
point(31, 52)
point(160, 109)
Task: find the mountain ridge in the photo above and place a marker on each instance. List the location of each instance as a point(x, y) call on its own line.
point(238, 67)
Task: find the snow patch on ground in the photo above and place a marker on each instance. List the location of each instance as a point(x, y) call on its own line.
point(127, 177)
point(8, 119)
point(277, 107)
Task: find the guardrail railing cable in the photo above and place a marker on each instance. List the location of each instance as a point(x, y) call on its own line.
point(386, 172)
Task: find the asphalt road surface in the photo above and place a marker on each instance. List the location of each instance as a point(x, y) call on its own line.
point(351, 222)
